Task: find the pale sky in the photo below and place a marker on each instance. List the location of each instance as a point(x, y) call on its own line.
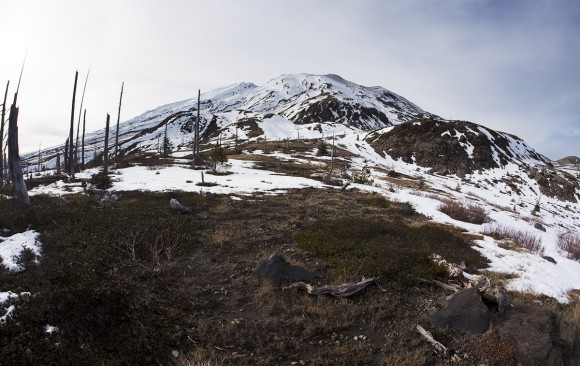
point(509, 65)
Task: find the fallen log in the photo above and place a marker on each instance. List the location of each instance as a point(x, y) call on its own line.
point(439, 348)
point(342, 290)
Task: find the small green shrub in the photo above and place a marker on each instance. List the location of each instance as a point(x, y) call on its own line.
point(322, 148)
point(102, 180)
point(218, 159)
point(393, 173)
point(363, 176)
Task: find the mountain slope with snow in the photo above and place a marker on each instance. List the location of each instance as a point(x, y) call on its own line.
point(301, 101)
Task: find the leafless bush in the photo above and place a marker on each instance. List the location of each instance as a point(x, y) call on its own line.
point(570, 243)
point(466, 212)
point(522, 238)
point(154, 256)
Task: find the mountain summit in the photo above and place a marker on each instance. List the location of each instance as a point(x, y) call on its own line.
point(285, 107)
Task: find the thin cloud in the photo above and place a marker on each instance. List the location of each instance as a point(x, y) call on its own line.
point(510, 65)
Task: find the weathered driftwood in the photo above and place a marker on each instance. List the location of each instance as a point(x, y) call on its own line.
point(439, 348)
point(489, 291)
point(343, 290)
point(178, 207)
point(443, 285)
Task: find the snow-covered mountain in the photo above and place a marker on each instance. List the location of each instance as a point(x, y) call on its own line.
point(316, 106)
point(285, 106)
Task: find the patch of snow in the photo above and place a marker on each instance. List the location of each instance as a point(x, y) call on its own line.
point(49, 329)
point(12, 246)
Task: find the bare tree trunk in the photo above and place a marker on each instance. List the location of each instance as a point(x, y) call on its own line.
point(79, 122)
point(71, 165)
point(196, 133)
point(6, 173)
point(58, 163)
point(106, 151)
point(2, 135)
point(332, 155)
point(83, 141)
point(65, 155)
point(39, 157)
point(118, 120)
point(14, 162)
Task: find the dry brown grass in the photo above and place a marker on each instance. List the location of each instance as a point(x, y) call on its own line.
point(570, 243)
point(522, 238)
point(200, 357)
point(467, 212)
point(493, 349)
point(571, 313)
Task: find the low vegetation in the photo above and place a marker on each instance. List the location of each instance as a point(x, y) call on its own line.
point(135, 283)
point(570, 243)
point(521, 238)
point(466, 212)
point(396, 253)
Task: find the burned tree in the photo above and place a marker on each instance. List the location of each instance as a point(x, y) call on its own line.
point(76, 162)
point(3, 118)
point(58, 162)
point(65, 155)
point(118, 120)
point(106, 149)
point(70, 160)
point(196, 133)
point(83, 140)
point(14, 162)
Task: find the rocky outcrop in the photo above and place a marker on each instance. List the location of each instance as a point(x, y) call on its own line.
point(453, 147)
point(554, 183)
point(541, 339)
point(333, 109)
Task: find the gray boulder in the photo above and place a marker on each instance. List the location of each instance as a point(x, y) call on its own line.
point(275, 269)
point(463, 311)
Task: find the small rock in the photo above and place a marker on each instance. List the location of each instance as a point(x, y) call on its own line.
point(539, 226)
point(175, 353)
point(549, 259)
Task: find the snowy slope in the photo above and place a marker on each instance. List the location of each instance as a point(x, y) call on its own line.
point(301, 100)
point(529, 272)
